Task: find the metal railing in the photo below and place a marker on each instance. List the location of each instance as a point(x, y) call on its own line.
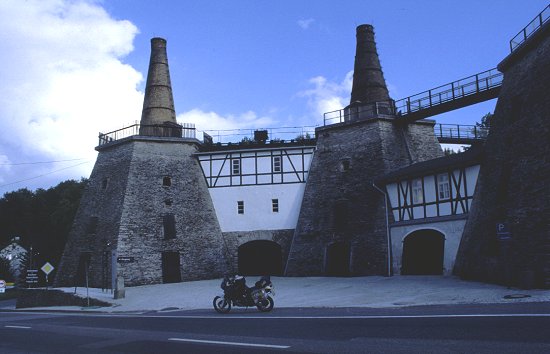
point(358, 111)
point(460, 132)
point(455, 90)
point(184, 130)
point(274, 135)
point(531, 28)
point(221, 136)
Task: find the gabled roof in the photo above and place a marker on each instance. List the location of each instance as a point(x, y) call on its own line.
point(470, 157)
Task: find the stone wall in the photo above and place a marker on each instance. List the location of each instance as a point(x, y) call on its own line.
point(340, 203)
point(103, 198)
point(147, 200)
point(514, 180)
point(235, 239)
point(130, 212)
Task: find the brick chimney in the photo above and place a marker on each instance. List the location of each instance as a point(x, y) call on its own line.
point(369, 85)
point(158, 104)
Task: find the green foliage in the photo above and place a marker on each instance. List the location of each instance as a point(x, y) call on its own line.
point(246, 141)
point(448, 151)
point(6, 272)
point(42, 218)
point(485, 121)
point(303, 137)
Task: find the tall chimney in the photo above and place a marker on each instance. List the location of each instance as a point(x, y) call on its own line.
point(158, 104)
point(368, 79)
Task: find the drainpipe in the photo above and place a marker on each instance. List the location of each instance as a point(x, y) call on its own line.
point(388, 237)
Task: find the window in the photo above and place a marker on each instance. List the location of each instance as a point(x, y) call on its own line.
point(104, 183)
point(275, 205)
point(417, 192)
point(276, 163)
point(168, 202)
point(240, 207)
point(167, 181)
point(236, 167)
point(92, 225)
point(443, 186)
point(169, 224)
point(345, 165)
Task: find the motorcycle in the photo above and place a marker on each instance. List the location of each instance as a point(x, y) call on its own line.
point(236, 293)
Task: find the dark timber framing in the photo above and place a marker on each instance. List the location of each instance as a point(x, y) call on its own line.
point(458, 196)
point(293, 165)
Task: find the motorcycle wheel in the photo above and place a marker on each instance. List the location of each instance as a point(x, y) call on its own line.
point(266, 305)
point(221, 305)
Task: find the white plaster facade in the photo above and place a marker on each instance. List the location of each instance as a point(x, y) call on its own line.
point(436, 201)
point(257, 189)
point(451, 229)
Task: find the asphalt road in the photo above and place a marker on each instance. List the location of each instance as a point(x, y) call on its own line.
point(521, 328)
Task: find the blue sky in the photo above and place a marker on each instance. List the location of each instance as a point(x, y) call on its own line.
point(71, 69)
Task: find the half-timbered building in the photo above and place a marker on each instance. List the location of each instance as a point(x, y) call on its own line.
point(429, 203)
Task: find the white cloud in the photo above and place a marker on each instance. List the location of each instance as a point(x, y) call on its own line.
point(304, 24)
point(63, 80)
point(327, 96)
point(223, 128)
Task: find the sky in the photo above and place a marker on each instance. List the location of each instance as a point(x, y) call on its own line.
point(71, 69)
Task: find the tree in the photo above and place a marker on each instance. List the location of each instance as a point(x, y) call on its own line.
point(6, 273)
point(482, 128)
point(485, 121)
point(42, 218)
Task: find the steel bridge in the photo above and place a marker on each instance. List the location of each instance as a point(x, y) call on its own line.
point(454, 95)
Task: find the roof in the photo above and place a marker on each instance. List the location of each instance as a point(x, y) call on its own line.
point(470, 157)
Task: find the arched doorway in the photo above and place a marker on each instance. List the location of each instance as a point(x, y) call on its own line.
point(423, 252)
point(260, 257)
point(337, 259)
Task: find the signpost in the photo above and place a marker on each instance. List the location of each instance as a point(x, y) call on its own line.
point(2, 286)
point(32, 276)
point(47, 268)
point(125, 259)
point(503, 233)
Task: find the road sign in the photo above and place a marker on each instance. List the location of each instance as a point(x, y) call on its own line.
point(2, 286)
point(125, 259)
point(47, 268)
point(32, 276)
point(503, 233)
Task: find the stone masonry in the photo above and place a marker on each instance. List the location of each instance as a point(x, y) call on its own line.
point(340, 205)
point(513, 186)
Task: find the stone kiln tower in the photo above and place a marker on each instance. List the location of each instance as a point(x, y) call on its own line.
point(341, 229)
point(146, 214)
point(507, 236)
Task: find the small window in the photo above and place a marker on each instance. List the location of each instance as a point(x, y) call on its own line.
point(443, 186)
point(236, 167)
point(169, 224)
point(104, 183)
point(92, 225)
point(275, 205)
point(417, 192)
point(345, 165)
point(168, 202)
point(240, 207)
point(167, 181)
point(276, 163)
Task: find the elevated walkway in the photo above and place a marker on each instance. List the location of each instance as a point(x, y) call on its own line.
point(457, 94)
point(460, 134)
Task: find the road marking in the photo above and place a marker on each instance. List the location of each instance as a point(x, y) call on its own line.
point(233, 317)
point(22, 327)
point(337, 317)
point(230, 343)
